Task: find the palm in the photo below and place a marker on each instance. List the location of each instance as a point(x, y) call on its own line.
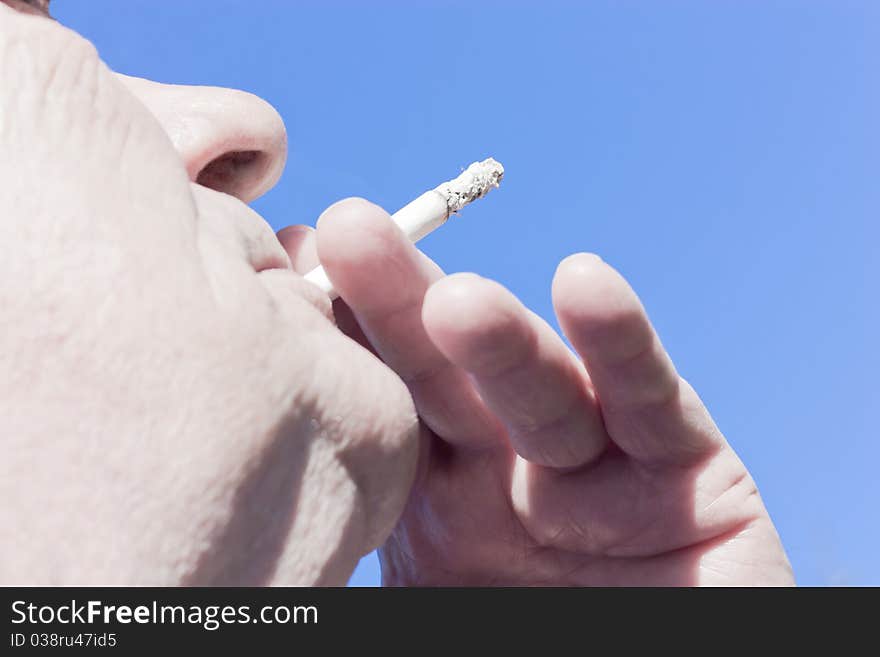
point(542, 465)
point(632, 526)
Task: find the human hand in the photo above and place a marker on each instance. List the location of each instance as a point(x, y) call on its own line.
point(176, 405)
point(540, 466)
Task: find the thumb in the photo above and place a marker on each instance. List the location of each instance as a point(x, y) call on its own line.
point(301, 247)
point(299, 243)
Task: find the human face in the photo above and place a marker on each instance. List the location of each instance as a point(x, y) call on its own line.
point(177, 404)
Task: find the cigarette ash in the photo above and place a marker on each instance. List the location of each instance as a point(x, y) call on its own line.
point(473, 183)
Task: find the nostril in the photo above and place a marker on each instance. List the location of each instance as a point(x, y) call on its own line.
point(238, 173)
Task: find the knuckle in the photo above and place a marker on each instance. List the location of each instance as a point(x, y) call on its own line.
point(502, 350)
point(648, 380)
point(622, 333)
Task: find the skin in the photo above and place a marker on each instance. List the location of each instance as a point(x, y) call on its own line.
point(182, 407)
point(176, 405)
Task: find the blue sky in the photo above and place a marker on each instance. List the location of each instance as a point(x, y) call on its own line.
point(724, 156)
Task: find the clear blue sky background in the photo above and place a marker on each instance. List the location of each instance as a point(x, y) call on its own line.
point(724, 155)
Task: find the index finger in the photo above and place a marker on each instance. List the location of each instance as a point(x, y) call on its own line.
point(383, 278)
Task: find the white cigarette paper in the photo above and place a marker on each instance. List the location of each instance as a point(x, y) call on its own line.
point(431, 210)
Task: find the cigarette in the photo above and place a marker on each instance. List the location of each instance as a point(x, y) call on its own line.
point(429, 211)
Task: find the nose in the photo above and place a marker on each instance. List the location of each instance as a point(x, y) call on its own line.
point(229, 140)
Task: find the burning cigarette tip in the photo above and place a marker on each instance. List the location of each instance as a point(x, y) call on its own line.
point(432, 209)
point(473, 183)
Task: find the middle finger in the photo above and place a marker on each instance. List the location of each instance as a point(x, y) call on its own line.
point(525, 373)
